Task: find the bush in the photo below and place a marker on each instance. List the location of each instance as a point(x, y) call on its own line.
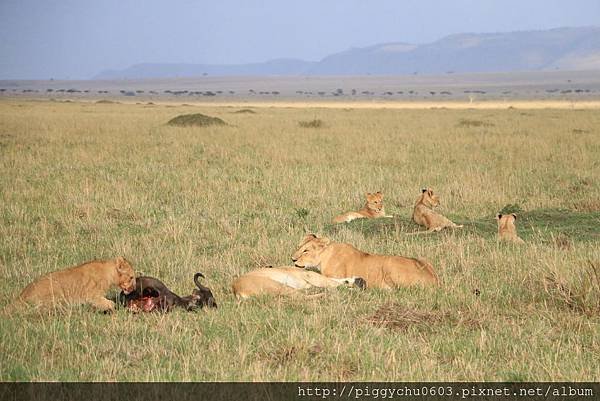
point(312, 124)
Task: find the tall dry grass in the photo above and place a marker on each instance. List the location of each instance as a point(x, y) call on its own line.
point(82, 181)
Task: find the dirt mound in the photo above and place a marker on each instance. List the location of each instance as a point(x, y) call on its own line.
point(195, 120)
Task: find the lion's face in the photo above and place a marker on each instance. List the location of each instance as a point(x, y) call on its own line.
point(126, 275)
point(375, 201)
point(309, 251)
point(429, 199)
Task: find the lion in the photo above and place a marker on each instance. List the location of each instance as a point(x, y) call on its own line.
point(286, 280)
point(372, 209)
point(83, 284)
point(507, 230)
point(424, 215)
point(338, 260)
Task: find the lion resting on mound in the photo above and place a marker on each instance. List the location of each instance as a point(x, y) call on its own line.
point(372, 209)
point(424, 215)
point(507, 230)
point(286, 280)
point(340, 260)
point(86, 283)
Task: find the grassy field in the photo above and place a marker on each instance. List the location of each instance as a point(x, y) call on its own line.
point(80, 181)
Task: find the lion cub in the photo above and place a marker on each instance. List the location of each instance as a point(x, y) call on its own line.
point(424, 215)
point(507, 231)
point(86, 283)
point(372, 209)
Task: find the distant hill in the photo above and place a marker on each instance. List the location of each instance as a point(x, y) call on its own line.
point(166, 70)
point(555, 49)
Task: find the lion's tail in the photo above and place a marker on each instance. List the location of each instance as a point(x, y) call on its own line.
point(426, 265)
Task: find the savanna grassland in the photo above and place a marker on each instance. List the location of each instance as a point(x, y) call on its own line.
point(80, 181)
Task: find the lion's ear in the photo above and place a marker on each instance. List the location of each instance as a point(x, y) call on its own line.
point(498, 216)
point(325, 241)
point(121, 264)
point(308, 237)
point(514, 215)
point(423, 190)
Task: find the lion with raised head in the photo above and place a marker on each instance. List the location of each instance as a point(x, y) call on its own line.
point(371, 210)
point(507, 230)
point(339, 260)
point(87, 283)
point(286, 280)
point(424, 215)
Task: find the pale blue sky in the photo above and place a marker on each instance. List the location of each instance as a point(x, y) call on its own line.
point(77, 38)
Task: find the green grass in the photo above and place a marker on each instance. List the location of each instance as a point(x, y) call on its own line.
point(542, 225)
point(80, 181)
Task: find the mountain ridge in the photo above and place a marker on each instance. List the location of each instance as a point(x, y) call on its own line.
point(542, 50)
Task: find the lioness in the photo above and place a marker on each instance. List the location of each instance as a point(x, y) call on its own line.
point(507, 231)
point(372, 209)
point(286, 280)
point(86, 283)
point(339, 260)
point(424, 215)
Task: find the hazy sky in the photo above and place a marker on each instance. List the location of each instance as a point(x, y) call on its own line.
point(76, 39)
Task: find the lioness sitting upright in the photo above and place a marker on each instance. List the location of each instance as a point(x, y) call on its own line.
point(507, 231)
point(86, 283)
point(372, 209)
point(424, 215)
point(286, 280)
point(340, 260)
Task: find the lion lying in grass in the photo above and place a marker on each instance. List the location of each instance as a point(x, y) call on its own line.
point(507, 230)
point(285, 281)
point(424, 215)
point(372, 209)
point(338, 260)
point(87, 283)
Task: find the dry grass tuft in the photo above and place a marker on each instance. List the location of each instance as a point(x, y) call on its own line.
point(563, 242)
point(465, 122)
point(582, 296)
point(398, 317)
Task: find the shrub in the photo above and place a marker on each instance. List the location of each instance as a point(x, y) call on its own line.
point(312, 124)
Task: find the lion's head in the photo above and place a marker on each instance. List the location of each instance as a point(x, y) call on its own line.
point(126, 275)
point(309, 251)
point(506, 221)
point(375, 201)
point(428, 198)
